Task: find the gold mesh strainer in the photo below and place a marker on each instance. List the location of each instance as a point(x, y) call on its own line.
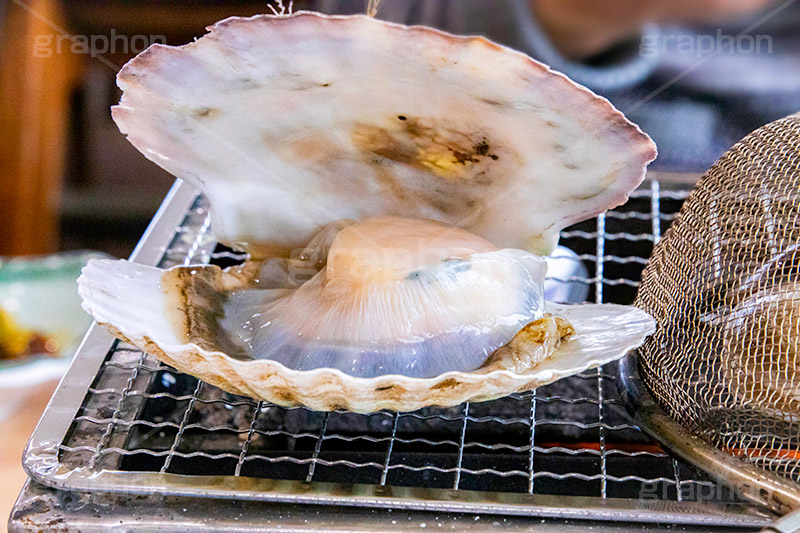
point(724, 287)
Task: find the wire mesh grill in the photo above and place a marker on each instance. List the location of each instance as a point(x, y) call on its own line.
point(568, 438)
point(725, 360)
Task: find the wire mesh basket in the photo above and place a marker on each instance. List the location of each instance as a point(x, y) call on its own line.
point(724, 361)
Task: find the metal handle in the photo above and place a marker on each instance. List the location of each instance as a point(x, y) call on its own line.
point(754, 484)
point(788, 524)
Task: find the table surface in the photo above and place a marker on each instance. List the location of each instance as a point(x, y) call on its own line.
point(20, 410)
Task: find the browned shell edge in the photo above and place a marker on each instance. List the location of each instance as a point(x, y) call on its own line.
point(395, 393)
point(642, 143)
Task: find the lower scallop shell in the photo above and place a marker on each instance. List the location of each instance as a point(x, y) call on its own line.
point(129, 301)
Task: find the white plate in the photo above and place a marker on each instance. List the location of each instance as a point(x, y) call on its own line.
point(41, 294)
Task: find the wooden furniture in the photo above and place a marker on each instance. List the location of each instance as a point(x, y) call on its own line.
point(38, 80)
point(19, 413)
point(34, 96)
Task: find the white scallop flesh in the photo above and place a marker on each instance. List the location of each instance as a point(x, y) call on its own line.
point(290, 123)
point(397, 296)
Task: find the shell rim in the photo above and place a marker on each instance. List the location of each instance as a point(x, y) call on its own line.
point(141, 338)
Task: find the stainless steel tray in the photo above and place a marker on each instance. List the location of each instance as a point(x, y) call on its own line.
point(121, 422)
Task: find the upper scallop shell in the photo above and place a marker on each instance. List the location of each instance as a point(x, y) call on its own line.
point(290, 123)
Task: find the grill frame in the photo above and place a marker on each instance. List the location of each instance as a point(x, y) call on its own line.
point(43, 457)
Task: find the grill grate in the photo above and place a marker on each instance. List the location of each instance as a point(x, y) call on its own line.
point(570, 438)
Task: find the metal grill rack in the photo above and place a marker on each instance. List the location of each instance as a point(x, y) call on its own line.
point(121, 421)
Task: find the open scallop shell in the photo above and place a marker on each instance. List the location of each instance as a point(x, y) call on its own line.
point(129, 300)
point(290, 123)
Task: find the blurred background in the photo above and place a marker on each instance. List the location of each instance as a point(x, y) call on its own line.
point(695, 74)
point(68, 179)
